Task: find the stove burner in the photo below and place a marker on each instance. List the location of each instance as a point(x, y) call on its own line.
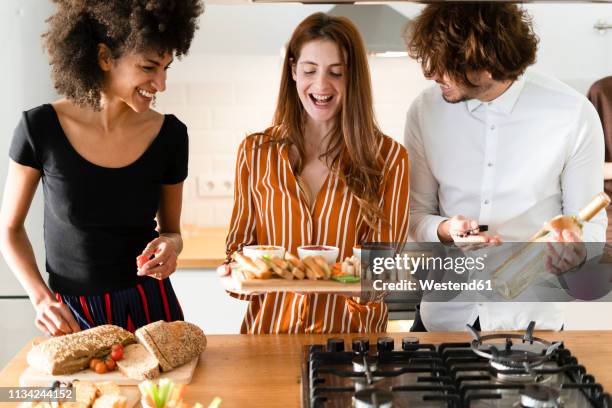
point(373, 397)
point(509, 357)
point(512, 374)
point(540, 396)
point(359, 365)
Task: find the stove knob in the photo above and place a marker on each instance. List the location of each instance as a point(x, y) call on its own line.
point(385, 344)
point(361, 345)
point(335, 344)
point(409, 342)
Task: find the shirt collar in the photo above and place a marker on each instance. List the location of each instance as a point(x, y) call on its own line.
point(505, 102)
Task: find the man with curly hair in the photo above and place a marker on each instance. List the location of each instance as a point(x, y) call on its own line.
point(496, 144)
point(112, 168)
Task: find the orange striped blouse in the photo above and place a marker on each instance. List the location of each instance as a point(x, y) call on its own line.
point(271, 209)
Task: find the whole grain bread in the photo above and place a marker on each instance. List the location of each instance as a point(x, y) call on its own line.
point(174, 343)
point(72, 352)
point(138, 363)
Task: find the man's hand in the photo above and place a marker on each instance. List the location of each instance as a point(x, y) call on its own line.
point(564, 251)
point(464, 232)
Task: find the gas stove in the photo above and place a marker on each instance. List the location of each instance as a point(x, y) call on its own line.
point(499, 370)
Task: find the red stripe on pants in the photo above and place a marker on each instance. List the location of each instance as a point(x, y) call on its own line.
point(145, 302)
point(107, 303)
point(86, 310)
point(162, 289)
point(130, 325)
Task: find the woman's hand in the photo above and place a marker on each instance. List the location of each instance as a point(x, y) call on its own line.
point(55, 318)
point(165, 253)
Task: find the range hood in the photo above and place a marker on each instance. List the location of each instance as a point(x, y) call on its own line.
point(380, 25)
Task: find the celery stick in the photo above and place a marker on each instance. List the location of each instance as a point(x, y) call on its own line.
point(216, 402)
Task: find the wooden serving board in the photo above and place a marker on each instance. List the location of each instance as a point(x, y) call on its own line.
point(249, 286)
point(132, 394)
point(32, 377)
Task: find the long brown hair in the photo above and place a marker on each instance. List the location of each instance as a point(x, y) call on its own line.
point(354, 142)
point(456, 38)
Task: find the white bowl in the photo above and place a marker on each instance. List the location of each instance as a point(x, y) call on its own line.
point(259, 251)
point(330, 253)
point(357, 252)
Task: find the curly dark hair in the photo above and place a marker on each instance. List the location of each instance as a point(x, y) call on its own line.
point(78, 26)
point(456, 38)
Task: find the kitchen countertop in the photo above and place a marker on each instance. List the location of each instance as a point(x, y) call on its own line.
point(202, 247)
point(264, 371)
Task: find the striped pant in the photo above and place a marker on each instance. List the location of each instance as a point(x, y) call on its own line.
point(129, 308)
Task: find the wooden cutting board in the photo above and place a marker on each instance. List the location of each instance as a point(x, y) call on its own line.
point(32, 377)
point(248, 286)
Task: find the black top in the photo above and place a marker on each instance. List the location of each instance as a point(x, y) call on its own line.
point(97, 219)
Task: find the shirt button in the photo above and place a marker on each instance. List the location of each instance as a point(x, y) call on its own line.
point(492, 127)
point(490, 164)
point(486, 201)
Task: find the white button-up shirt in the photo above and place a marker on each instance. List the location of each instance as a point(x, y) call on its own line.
point(534, 152)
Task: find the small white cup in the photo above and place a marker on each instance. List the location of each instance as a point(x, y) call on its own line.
point(329, 253)
point(259, 251)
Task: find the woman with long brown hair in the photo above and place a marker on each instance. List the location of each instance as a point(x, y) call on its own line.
point(323, 174)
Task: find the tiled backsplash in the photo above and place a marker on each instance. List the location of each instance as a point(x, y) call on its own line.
point(222, 98)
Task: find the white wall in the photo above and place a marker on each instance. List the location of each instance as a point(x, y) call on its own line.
point(26, 83)
point(227, 86)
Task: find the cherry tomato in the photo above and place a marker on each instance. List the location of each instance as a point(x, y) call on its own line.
point(93, 362)
point(141, 260)
point(111, 365)
point(117, 354)
point(117, 346)
point(100, 368)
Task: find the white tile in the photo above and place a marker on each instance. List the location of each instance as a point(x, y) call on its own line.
point(210, 94)
point(262, 92)
point(194, 118)
point(174, 95)
point(246, 120)
point(214, 142)
point(199, 163)
point(222, 210)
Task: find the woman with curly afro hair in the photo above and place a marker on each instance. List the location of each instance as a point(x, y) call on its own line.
point(112, 168)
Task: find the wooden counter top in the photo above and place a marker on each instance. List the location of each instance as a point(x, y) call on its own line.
point(202, 247)
point(264, 371)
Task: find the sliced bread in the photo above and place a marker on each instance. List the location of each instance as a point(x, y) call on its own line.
point(138, 363)
point(110, 401)
point(174, 343)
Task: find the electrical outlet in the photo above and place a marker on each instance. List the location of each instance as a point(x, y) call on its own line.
point(211, 185)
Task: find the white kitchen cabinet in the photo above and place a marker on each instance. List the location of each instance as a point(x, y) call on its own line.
point(17, 327)
point(205, 302)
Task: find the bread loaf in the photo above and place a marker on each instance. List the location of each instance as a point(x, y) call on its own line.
point(173, 344)
point(72, 352)
point(138, 363)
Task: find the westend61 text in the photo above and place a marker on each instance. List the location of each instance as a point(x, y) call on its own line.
point(429, 285)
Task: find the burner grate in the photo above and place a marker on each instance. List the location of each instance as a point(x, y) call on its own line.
point(450, 375)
